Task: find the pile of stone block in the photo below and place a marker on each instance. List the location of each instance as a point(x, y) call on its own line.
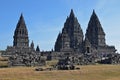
point(26, 59)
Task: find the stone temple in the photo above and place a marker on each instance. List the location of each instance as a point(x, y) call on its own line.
point(21, 53)
point(72, 39)
point(21, 39)
point(71, 45)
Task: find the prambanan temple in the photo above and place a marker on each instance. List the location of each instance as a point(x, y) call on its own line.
point(21, 53)
point(70, 44)
point(72, 39)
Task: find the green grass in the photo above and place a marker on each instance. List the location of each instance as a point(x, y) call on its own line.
point(90, 72)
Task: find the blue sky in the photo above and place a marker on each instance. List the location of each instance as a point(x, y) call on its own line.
point(45, 19)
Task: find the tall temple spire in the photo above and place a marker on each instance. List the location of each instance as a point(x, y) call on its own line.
point(94, 12)
point(21, 34)
point(95, 32)
point(32, 45)
point(37, 48)
point(94, 18)
point(58, 43)
point(73, 30)
point(65, 39)
point(21, 22)
point(72, 13)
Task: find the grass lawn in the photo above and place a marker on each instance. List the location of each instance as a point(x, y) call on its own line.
point(90, 72)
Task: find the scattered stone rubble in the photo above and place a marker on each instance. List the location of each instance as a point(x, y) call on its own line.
point(111, 59)
point(27, 59)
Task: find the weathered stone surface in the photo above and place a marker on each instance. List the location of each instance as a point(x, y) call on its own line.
point(21, 34)
point(96, 36)
point(26, 59)
point(71, 42)
point(71, 48)
point(111, 59)
point(21, 54)
point(65, 64)
point(72, 34)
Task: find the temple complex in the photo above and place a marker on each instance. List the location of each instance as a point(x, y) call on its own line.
point(72, 39)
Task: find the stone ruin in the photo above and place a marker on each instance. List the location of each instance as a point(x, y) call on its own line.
point(71, 47)
point(83, 50)
point(21, 54)
point(111, 59)
point(65, 64)
point(91, 59)
point(69, 62)
point(71, 38)
point(27, 59)
point(77, 60)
